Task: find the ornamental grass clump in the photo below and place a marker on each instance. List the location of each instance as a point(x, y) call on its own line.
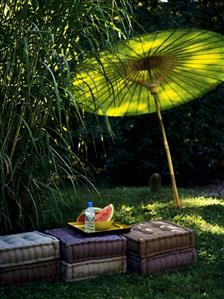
point(41, 44)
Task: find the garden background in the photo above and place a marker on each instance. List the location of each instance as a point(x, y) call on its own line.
point(48, 143)
point(54, 157)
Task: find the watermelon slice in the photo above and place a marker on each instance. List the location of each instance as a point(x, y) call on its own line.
point(106, 214)
point(81, 217)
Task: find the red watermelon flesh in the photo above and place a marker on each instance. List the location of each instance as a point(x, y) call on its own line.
point(106, 214)
point(81, 217)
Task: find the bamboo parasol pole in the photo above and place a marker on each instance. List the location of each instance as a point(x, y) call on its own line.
point(153, 91)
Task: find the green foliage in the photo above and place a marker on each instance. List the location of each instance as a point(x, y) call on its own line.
point(199, 211)
point(41, 42)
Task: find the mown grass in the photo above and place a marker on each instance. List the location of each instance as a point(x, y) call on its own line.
point(202, 213)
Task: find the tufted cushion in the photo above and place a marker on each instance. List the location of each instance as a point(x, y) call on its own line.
point(26, 248)
point(76, 247)
point(157, 237)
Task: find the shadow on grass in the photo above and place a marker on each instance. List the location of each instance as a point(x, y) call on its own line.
point(213, 213)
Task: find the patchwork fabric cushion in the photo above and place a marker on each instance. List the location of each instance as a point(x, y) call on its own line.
point(156, 237)
point(76, 247)
point(91, 268)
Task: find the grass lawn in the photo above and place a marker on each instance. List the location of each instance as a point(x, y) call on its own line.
point(204, 214)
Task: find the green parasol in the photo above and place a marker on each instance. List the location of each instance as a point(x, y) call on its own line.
point(151, 72)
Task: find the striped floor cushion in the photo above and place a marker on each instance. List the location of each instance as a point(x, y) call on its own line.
point(92, 268)
point(76, 247)
point(171, 261)
point(28, 257)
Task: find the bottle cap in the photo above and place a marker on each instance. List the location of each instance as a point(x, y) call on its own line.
point(89, 204)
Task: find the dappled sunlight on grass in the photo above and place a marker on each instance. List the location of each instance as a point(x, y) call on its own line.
point(198, 221)
point(203, 214)
point(201, 201)
point(157, 205)
point(136, 204)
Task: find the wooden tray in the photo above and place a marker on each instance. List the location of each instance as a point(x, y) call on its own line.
point(116, 228)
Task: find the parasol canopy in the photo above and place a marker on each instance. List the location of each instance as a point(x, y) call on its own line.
point(149, 73)
point(183, 64)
